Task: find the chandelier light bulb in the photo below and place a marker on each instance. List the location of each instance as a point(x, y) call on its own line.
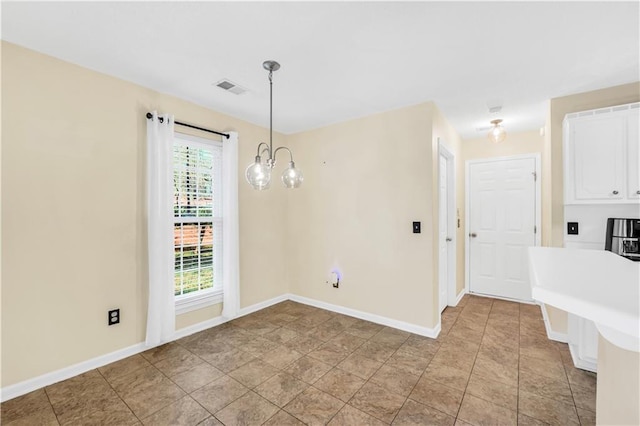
point(258, 175)
point(497, 133)
point(292, 177)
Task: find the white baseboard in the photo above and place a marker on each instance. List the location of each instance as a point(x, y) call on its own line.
point(401, 325)
point(24, 387)
point(21, 388)
point(261, 305)
point(552, 335)
point(584, 364)
point(459, 297)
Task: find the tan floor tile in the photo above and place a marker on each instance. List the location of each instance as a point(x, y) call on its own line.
point(549, 354)
point(210, 421)
point(282, 418)
point(253, 373)
point(87, 383)
point(420, 346)
point(197, 377)
point(377, 401)
point(480, 412)
point(308, 369)
point(303, 343)
point(359, 365)
point(363, 329)
point(408, 362)
point(228, 360)
point(578, 377)
point(391, 337)
point(179, 363)
point(587, 418)
point(347, 342)
point(24, 405)
point(543, 367)
point(219, 393)
point(451, 357)
point(147, 390)
point(314, 407)
point(494, 370)
point(376, 351)
point(164, 351)
point(116, 413)
point(350, 416)
point(449, 376)
point(546, 409)
point(262, 328)
point(249, 409)
point(529, 421)
point(185, 411)
point(281, 389)
point(258, 346)
point(438, 396)
point(496, 392)
point(416, 414)
point(325, 331)
point(394, 380)
point(42, 417)
point(339, 384)
point(329, 354)
point(123, 367)
point(281, 335)
point(281, 356)
point(584, 398)
point(499, 353)
point(556, 388)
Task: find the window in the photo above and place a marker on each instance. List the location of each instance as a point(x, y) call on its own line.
point(197, 222)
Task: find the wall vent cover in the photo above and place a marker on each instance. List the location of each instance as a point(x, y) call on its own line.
point(230, 86)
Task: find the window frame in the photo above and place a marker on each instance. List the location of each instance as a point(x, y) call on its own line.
point(202, 298)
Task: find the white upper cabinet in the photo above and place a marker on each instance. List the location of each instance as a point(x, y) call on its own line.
point(633, 156)
point(601, 156)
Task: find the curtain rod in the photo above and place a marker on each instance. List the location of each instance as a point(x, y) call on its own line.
point(226, 135)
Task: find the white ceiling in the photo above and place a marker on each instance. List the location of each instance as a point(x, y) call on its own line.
point(347, 59)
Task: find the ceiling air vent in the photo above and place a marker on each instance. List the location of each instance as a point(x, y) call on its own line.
point(230, 86)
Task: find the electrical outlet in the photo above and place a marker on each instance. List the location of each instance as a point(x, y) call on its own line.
point(572, 228)
point(114, 317)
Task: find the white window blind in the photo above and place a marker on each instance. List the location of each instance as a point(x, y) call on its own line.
point(197, 211)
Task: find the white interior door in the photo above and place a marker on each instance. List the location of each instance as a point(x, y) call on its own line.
point(502, 220)
point(443, 234)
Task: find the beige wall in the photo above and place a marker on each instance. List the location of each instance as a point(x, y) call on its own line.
point(73, 225)
point(618, 392)
point(366, 181)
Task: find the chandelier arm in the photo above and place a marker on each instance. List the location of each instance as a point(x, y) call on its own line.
point(259, 145)
point(285, 148)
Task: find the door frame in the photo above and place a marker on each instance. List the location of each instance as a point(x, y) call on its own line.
point(452, 261)
point(538, 207)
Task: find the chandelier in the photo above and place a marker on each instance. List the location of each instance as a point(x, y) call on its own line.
point(497, 133)
point(259, 172)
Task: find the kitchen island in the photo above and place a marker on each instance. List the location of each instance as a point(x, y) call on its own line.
point(604, 288)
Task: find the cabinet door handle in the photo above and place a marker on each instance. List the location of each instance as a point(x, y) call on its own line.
point(615, 192)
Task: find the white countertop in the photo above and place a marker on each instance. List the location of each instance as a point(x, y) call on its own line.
point(594, 284)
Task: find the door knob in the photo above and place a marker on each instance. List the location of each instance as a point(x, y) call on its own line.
point(638, 192)
point(448, 239)
point(615, 192)
point(473, 235)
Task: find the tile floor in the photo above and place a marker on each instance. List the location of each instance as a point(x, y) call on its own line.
point(292, 364)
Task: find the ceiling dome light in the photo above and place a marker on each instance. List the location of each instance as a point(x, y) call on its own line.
point(497, 133)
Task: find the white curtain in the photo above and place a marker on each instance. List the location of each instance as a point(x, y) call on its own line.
point(230, 233)
point(161, 315)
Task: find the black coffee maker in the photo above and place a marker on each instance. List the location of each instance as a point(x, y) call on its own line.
point(623, 237)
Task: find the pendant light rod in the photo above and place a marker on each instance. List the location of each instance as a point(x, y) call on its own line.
point(258, 173)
